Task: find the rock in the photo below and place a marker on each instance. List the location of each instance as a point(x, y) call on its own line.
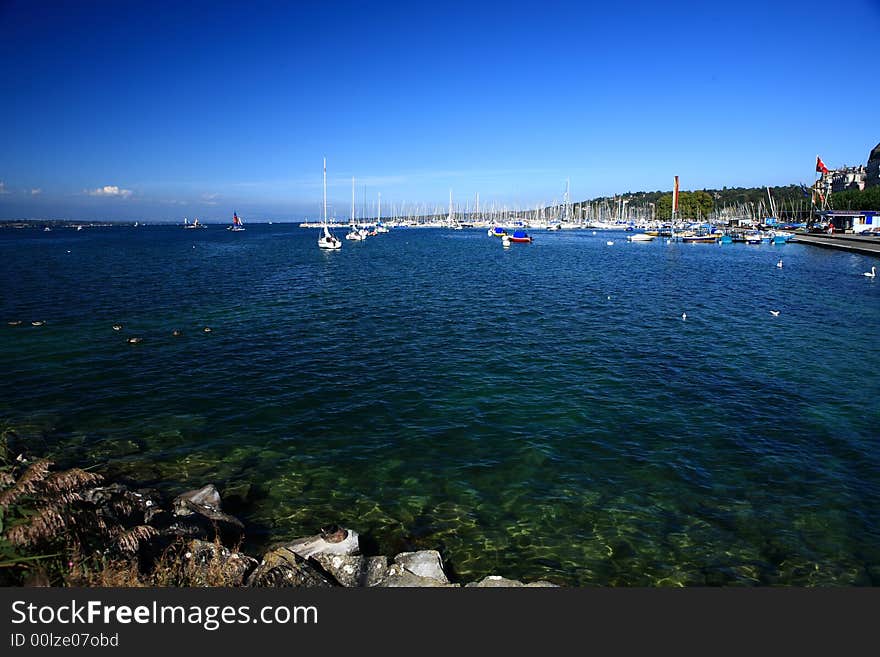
point(425, 563)
point(398, 576)
point(206, 498)
point(496, 581)
point(208, 564)
point(119, 504)
point(351, 570)
point(332, 540)
point(198, 514)
point(282, 567)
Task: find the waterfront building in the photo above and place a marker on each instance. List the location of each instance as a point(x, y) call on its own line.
point(872, 171)
point(852, 221)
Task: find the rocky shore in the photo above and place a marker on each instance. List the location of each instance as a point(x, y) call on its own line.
point(208, 540)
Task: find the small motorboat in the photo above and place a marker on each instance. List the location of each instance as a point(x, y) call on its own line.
point(497, 231)
point(520, 236)
point(640, 237)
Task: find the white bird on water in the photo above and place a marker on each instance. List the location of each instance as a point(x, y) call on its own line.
point(775, 313)
point(609, 243)
point(872, 273)
point(779, 264)
point(684, 316)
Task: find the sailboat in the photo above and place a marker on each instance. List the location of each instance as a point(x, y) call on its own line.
point(236, 223)
point(380, 227)
point(194, 224)
point(451, 221)
point(354, 233)
point(327, 240)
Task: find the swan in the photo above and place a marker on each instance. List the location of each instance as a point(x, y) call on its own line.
point(609, 243)
point(36, 323)
point(207, 329)
point(117, 327)
point(775, 313)
point(134, 340)
point(872, 273)
point(16, 322)
point(779, 264)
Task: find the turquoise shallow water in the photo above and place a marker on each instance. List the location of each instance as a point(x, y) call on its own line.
point(537, 412)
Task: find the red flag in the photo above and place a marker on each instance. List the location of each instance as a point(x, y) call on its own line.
point(820, 166)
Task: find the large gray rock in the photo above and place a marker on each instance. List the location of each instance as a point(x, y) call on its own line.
point(425, 563)
point(496, 581)
point(398, 576)
point(332, 540)
point(282, 567)
point(352, 570)
point(198, 514)
point(202, 500)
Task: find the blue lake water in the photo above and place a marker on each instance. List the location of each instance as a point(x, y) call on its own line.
point(536, 412)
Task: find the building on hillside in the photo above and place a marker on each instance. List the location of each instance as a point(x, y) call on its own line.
point(872, 171)
point(857, 177)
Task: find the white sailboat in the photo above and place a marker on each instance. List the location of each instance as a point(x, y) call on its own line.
point(354, 233)
point(380, 227)
point(327, 240)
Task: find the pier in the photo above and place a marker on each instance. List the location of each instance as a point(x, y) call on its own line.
point(868, 245)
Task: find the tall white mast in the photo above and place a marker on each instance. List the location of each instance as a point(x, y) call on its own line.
point(325, 190)
point(379, 218)
point(450, 204)
point(352, 200)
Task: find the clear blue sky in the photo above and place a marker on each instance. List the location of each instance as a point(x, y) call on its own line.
point(157, 111)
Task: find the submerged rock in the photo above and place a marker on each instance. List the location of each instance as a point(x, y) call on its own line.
point(282, 567)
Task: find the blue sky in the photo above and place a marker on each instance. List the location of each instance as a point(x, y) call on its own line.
point(158, 111)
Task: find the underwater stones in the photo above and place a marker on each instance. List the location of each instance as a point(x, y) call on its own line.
point(496, 581)
point(332, 540)
point(352, 571)
point(282, 567)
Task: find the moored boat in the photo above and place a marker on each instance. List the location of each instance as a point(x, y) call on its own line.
point(521, 237)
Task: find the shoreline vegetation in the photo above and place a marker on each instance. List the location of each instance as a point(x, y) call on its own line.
point(74, 528)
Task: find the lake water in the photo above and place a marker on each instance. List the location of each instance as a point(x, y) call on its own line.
point(536, 412)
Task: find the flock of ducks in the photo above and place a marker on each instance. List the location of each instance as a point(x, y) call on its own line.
point(116, 327)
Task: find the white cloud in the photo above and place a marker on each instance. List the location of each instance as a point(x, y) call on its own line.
point(210, 199)
point(36, 191)
point(3, 189)
point(110, 190)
